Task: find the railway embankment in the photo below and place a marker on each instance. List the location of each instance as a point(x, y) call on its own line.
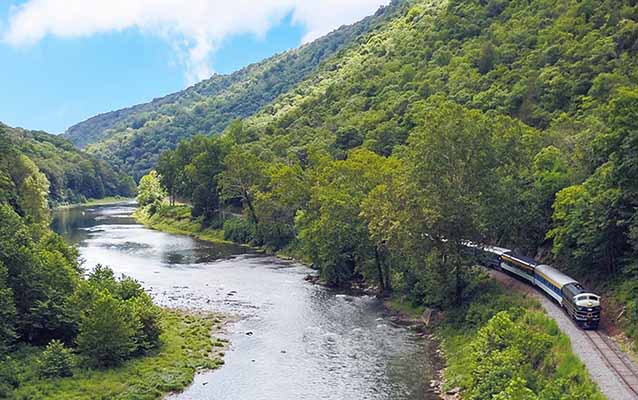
point(612, 370)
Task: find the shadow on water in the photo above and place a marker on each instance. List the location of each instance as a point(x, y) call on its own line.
point(291, 339)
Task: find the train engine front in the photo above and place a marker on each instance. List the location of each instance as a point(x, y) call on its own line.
point(582, 305)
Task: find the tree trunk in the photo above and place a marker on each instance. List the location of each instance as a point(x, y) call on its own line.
point(379, 270)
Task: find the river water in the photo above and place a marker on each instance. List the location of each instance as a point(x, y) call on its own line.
point(289, 340)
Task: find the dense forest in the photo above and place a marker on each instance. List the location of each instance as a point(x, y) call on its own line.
point(73, 176)
point(44, 299)
point(134, 137)
point(374, 154)
point(503, 122)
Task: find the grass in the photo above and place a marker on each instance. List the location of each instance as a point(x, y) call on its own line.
point(187, 346)
point(177, 220)
point(460, 328)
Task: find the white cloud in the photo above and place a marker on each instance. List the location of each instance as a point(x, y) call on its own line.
point(194, 28)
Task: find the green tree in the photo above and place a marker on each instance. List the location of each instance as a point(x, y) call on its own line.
point(56, 361)
point(243, 176)
point(150, 190)
point(107, 333)
point(168, 170)
point(149, 316)
point(452, 165)
point(332, 230)
point(7, 312)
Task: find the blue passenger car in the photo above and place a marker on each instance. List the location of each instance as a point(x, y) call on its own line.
point(582, 305)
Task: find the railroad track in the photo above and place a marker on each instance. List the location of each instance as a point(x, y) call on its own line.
point(615, 360)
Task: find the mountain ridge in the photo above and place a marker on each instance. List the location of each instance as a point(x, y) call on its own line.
point(73, 175)
point(134, 137)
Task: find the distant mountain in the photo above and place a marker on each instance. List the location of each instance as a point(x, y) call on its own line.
point(73, 175)
point(134, 137)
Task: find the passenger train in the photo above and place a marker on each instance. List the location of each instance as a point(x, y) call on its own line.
point(582, 305)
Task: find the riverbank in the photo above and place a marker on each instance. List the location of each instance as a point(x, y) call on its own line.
point(96, 202)
point(177, 220)
point(529, 349)
point(497, 343)
point(188, 346)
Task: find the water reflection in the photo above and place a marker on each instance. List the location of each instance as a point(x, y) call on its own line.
point(306, 342)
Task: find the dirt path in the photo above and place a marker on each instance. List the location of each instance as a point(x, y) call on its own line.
point(614, 373)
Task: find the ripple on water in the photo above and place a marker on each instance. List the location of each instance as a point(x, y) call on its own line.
point(306, 342)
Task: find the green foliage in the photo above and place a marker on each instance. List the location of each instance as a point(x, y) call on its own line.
point(56, 361)
point(69, 175)
point(107, 331)
point(187, 346)
point(331, 230)
point(118, 320)
point(135, 137)
point(238, 230)
point(149, 315)
point(40, 275)
point(7, 312)
point(150, 191)
point(499, 346)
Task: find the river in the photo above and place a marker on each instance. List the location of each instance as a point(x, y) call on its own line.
point(290, 339)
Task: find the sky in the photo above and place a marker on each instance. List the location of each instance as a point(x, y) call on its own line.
point(62, 61)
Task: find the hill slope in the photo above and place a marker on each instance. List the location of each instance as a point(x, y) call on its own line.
point(506, 122)
point(73, 175)
point(137, 135)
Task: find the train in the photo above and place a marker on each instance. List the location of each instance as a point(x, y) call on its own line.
point(582, 305)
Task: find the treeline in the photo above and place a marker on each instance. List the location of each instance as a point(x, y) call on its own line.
point(44, 299)
point(73, 175)
point(505, 122)
point(135, 137)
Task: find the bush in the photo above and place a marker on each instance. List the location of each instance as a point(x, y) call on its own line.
point(108, 331)
point(149, 315)
point(238, 230)
point(8, 377)
point(56, 361)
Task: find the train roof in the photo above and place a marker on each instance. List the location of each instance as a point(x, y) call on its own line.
point(559, 279)
point(496, 250)
point(491, 249)
point(522, 259)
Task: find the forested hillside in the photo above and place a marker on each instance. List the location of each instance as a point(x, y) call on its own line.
point(505, 122)
point(72, 175)
point(65, 331)
point(134, 137)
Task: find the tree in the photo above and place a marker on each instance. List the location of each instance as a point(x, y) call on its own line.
point(56, 361)
point(107, 334)
point(242, 177)
point(7, 312)
point(149, 316)
point(150, 190)
point(332, 230)
point(167, 168)
point(33, 188)
point(452, 166)
point(586, 220)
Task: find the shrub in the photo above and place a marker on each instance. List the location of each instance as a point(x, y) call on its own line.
point(238, 230)
point(149, 315)
point(129, 288)
point(8, 377)
point(108, 331)
point(56, 361)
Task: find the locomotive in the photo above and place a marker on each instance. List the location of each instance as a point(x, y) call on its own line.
point(582, 305)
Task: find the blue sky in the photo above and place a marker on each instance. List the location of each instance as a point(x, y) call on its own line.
point(62, 61)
